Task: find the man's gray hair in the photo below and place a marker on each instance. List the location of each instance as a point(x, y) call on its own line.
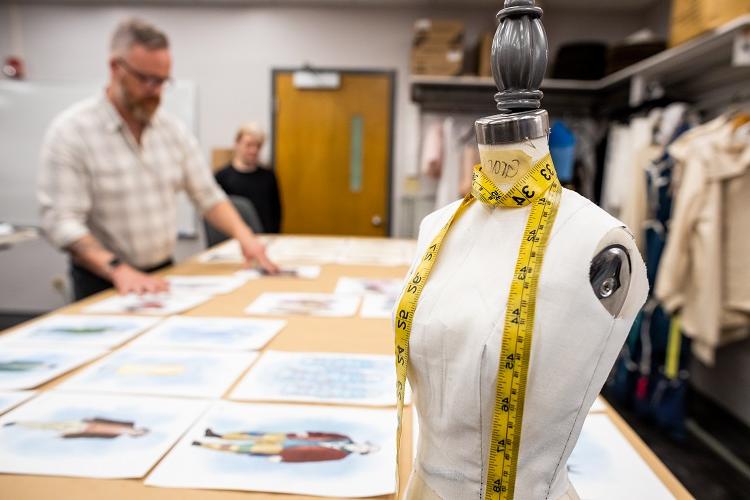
point(134, 31)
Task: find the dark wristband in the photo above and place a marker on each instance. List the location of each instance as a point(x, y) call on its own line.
point(113, 263)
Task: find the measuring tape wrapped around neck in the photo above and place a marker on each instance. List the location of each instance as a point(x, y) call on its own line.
point(541, 189)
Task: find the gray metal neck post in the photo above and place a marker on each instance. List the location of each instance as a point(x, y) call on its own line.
point(519, 61)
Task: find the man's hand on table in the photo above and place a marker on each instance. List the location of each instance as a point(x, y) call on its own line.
point(254, 252)
point(128, 280)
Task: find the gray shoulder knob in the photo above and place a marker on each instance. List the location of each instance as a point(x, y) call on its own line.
point(610, 277)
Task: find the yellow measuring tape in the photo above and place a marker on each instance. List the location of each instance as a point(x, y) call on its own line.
point(540, 188)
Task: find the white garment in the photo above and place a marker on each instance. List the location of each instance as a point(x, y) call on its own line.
point(626, 142)
point(449, 185)
point(703, 272)
point(456, 336)
point(615, 172)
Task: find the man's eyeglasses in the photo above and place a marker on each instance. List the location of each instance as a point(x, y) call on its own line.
point(146, 79)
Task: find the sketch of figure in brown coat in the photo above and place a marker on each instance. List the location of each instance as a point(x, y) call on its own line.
point(287, 447)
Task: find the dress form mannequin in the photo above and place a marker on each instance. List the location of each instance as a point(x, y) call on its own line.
point(592, 284)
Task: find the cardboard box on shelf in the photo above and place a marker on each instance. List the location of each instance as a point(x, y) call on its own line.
point(440, 27)
point(485, 53)
point(438, 47)
point(691, 18)
point(436, 66)
point(438, 31)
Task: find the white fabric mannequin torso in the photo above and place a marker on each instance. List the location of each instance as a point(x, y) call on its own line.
point(456, 335)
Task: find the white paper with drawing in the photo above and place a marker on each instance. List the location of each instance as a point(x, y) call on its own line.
point(80, 330)
point(10, 399)
point(29, 366)
point(599, 405)
point(362, 286)
point(356, 379)
point(604, 465)
point(378, 306)
point(379, 295)
point(204, 284)
point(304, 304)
point(306, 249)
point(104, 437)
point(226, 253)
point(229, 252)
point(304, 450)
point(376, 252)
point(158, 304)
point(287, 271)
point(161, 372)
point(214, 333)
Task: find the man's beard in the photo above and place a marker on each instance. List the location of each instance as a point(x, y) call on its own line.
point(142, 109)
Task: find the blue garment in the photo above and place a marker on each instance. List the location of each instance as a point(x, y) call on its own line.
point(562, 148)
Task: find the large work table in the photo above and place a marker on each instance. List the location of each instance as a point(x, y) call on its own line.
point(346, 335)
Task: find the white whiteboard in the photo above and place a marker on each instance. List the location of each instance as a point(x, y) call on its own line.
point(27, 109)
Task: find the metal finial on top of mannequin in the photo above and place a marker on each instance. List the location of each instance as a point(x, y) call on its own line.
point(519, 61)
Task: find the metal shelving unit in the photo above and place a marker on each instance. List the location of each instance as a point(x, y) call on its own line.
point(712, 67)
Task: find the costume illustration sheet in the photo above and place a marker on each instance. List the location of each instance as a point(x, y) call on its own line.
point(306, 450)
point(104, 437)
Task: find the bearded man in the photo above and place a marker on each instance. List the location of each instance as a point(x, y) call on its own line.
point(112, 167)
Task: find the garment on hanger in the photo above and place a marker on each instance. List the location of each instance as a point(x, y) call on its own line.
point(432, 150)
point(455, 130)
point(634, 210)
point(469, 158)
point(562, 147)
point(443, 155)
point(704, 272)
point(623, 176)
point(588, 133)
point(615, 170)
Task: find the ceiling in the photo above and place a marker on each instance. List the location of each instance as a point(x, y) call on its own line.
point(600, 5)
point(619, 5)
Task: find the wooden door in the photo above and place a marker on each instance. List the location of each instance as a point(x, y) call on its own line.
point(332, 154)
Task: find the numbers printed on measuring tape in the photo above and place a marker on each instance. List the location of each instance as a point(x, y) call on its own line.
point(497, 486)
point(510, 361)
point(403, 317)
point(545, 172)
point(505, 404)
point(516, 316)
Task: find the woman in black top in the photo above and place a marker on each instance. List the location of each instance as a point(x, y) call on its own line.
point(245, 177)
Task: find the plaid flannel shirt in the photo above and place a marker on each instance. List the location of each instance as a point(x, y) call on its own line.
point(95, 179)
